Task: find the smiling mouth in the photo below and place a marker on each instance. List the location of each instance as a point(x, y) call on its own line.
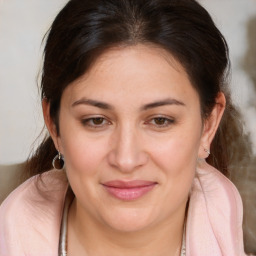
point(128, 190)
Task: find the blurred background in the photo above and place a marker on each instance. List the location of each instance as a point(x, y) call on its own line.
point(22, 27)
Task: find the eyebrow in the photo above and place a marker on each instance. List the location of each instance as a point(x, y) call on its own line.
point(103, 105)
point(162, 103)
point(94, 103)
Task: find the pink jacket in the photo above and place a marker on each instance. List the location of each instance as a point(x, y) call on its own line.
point(30, 220)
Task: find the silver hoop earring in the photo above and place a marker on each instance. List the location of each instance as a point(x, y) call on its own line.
point(58, 161)
point(207, 151)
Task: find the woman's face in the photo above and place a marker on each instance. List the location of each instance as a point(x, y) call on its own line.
point(131, 133)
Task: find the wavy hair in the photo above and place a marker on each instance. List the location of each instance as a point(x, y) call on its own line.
point(83, 30)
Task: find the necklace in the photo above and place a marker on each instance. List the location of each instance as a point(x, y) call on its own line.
point(183, 245)
point(63, 232)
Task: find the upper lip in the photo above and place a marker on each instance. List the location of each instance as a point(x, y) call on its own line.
point(128, 184)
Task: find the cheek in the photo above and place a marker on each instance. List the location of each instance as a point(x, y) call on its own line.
point(177, 152)
point(176, 157)
point(84, 161)
point(82, 153)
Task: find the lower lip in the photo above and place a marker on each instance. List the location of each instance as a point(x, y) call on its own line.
point(129, 194)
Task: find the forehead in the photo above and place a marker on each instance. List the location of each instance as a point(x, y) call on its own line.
point(140, 72)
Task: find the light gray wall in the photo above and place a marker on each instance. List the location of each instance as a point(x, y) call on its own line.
point(22, 26)
point(237, 21)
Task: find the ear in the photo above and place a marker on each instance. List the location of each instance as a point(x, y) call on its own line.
point(211, 125)
point(50, 124)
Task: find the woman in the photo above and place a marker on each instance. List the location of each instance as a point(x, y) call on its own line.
point(133, 93)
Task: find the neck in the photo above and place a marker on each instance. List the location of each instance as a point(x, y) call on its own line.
point(85, 235)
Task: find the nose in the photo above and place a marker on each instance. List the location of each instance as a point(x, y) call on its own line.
point(127, 152)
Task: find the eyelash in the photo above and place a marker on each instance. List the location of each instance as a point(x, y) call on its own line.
point(89, 122)
point(167, 121)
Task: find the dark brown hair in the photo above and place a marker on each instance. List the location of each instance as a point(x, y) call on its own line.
point(85, 29)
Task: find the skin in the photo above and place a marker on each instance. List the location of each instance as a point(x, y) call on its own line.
point(132, 139)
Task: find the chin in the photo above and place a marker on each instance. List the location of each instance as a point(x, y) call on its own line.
point(128, 220)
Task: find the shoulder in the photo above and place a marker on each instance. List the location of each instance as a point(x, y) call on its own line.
point(215, 214)
point(34, 209)
point(41, 189)
point(213, 182)
point(219, 193)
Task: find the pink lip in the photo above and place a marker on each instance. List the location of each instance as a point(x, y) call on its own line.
point(128, 190)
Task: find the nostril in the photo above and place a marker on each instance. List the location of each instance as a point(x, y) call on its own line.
point(127, 153)
point(127, 162)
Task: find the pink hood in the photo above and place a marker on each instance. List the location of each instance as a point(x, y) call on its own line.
point(30, 220)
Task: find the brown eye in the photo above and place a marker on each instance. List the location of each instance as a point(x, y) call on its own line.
point(95, 122)
point(160, 120)
point(98, 120)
